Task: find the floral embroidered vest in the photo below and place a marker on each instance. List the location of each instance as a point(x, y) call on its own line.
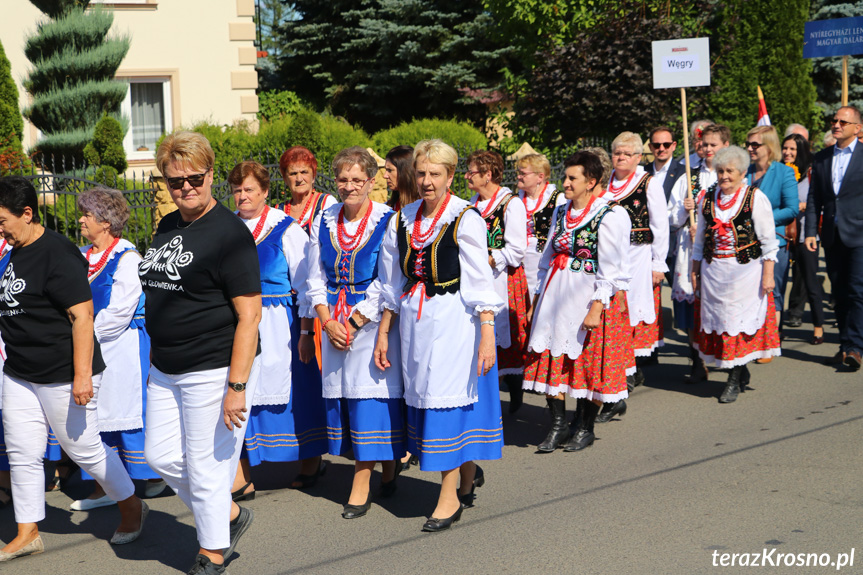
point(635, 204)
point(495, 224)
point(583, 245)
point(747, 246)
point(436, 265)
point(542, 221)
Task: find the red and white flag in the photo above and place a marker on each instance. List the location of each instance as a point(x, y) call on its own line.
point(763, 116)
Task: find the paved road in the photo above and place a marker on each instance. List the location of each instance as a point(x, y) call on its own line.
point(676, 479)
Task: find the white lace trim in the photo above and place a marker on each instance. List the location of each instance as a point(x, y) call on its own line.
point(510, 371)
point(126, 424)
point(95, 257)
point(604, 292)
point(660, 266)
point(440, 402)
point(770, 258)
point(589, 394)
point(331, 214)
point(282, 399)
point(495, 309)
point(647, 352)
point(729, 363)
point(542, 200)
point(362, 392)
point(455, 207)
point(556, 347)
point(368, 310)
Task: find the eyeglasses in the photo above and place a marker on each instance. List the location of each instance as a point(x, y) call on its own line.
point(358, 183)
point(753, 145)
point(522, 173)
point(626, 155)
point(195, 180)
point(657, 145)
point(842, 123)
point(470, 173)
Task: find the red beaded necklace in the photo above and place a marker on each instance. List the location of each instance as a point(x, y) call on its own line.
point(491, 204)
point(348, 242)
point(2, 247)
point(310, 201)
point(418, 237)
point(574, 222)
point(94, 268)
point(260, 226)
point(538, 202)
point(616, 190)
point(727, 205)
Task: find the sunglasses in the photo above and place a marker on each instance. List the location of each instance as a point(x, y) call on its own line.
point(195, 180)
point(657, 145)
point(753, 145)
point(841, 123)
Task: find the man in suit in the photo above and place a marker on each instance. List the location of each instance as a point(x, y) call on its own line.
point(666, 171)
point(836, 192)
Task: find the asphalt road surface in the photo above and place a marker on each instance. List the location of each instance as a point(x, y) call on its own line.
point(671, 487)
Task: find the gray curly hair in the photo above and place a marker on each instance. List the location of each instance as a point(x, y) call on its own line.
point(107, 206)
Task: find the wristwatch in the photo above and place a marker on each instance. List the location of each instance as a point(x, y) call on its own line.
point(487, 322)
point(239, 386)
point(353, 323)
point(307, 332)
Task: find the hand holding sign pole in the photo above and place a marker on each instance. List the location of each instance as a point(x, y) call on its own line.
point(681, 64)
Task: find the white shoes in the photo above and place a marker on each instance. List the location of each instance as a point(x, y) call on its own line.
point(33, 548)
point(121, 538)
point(154, 488)
point(88, 504)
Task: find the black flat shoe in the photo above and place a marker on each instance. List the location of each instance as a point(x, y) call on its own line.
point(610, 410)
point(433, 525)
point(241, 495)
point(354, 511)
point(478, 481)
point(307, 481)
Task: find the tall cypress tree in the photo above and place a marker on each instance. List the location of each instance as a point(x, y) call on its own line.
point(11, 123)
point(766, 50)
point(72, 83)
point(827, 72)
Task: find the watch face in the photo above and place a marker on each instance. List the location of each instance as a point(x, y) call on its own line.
point(237, 386)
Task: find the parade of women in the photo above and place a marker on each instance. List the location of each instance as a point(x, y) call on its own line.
point(404, 336)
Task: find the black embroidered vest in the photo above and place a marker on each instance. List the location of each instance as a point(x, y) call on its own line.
point(495, 224)
point(542, 221)
point(635, 204)
point(436, 265)
point(584, 247)
point(747, 247)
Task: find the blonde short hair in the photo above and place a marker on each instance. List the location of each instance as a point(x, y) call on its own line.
point(607, 166)
point(630, 140)
point(536, 162)
point(188, 149)
point(769, 138)
point(437, 151)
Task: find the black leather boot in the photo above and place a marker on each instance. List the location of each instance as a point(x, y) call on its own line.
point(576, 418)
point(630, 383)
point(745, 378)
point(609, 410)
point(559, 429)
point(698, 373)
point(732, 388)
point(584, 436)
point(516, 393)
point(639, 377)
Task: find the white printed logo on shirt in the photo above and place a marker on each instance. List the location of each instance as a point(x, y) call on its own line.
point(10, 286)
point(168, 258)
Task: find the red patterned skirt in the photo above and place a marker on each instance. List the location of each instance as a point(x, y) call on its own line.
point(511, 359)
point(599, 372)
point(728, 351)
point(648, 336)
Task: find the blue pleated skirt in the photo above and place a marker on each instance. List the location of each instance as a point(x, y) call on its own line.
point(443, 439)
point(297, 430)
point(684, 315)
point(373, 428)
point(129, 444)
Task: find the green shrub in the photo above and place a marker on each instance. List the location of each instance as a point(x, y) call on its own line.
point(461, 135)
point(337, 135)
point(275, 104)
point(106, 148)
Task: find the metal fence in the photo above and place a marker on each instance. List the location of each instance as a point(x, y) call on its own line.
point(58, 190)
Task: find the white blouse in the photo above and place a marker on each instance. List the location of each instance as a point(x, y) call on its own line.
point(762, 220)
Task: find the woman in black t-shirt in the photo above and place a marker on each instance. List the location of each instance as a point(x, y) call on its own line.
point(52, 358)
point(203, 289)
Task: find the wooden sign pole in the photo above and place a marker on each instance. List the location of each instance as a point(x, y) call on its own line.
point(686, 155)
point(844, 80)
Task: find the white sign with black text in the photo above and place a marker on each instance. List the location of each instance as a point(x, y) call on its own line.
point(681, 63)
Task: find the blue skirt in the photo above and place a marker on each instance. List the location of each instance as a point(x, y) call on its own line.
point(297, 430)
point(684, 314)
point(129, 444)
point(443, 439)
point(373, 428)
point(53, 452)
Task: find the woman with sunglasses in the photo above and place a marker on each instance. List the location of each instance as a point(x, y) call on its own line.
point(299, 169)
point(806, 285)
point(203, 288)
point(365, 410)
point(506, 225)
point(288, 417)
point(437, 280)
point(777, 182)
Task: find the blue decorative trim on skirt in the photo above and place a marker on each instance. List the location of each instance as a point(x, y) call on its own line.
point(373, 428)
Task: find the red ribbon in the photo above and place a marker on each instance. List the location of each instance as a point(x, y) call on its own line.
point(342, 310)
point(559, 262)
point(423, 296)
point(722, 228)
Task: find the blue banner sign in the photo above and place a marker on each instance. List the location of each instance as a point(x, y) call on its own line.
point(837, 37)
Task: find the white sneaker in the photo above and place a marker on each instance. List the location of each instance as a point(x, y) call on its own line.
point(88, 504)
point(154, 488)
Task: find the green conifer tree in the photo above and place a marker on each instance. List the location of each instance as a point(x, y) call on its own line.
point(72, 83)
point(11, 123)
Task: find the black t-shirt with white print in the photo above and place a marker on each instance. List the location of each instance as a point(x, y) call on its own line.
point(41, 282)
point(189, 275)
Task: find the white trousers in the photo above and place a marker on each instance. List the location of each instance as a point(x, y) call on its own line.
point(28, 410)
point(188, 445)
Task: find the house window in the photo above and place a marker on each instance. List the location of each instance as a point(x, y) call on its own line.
point(148, 107)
